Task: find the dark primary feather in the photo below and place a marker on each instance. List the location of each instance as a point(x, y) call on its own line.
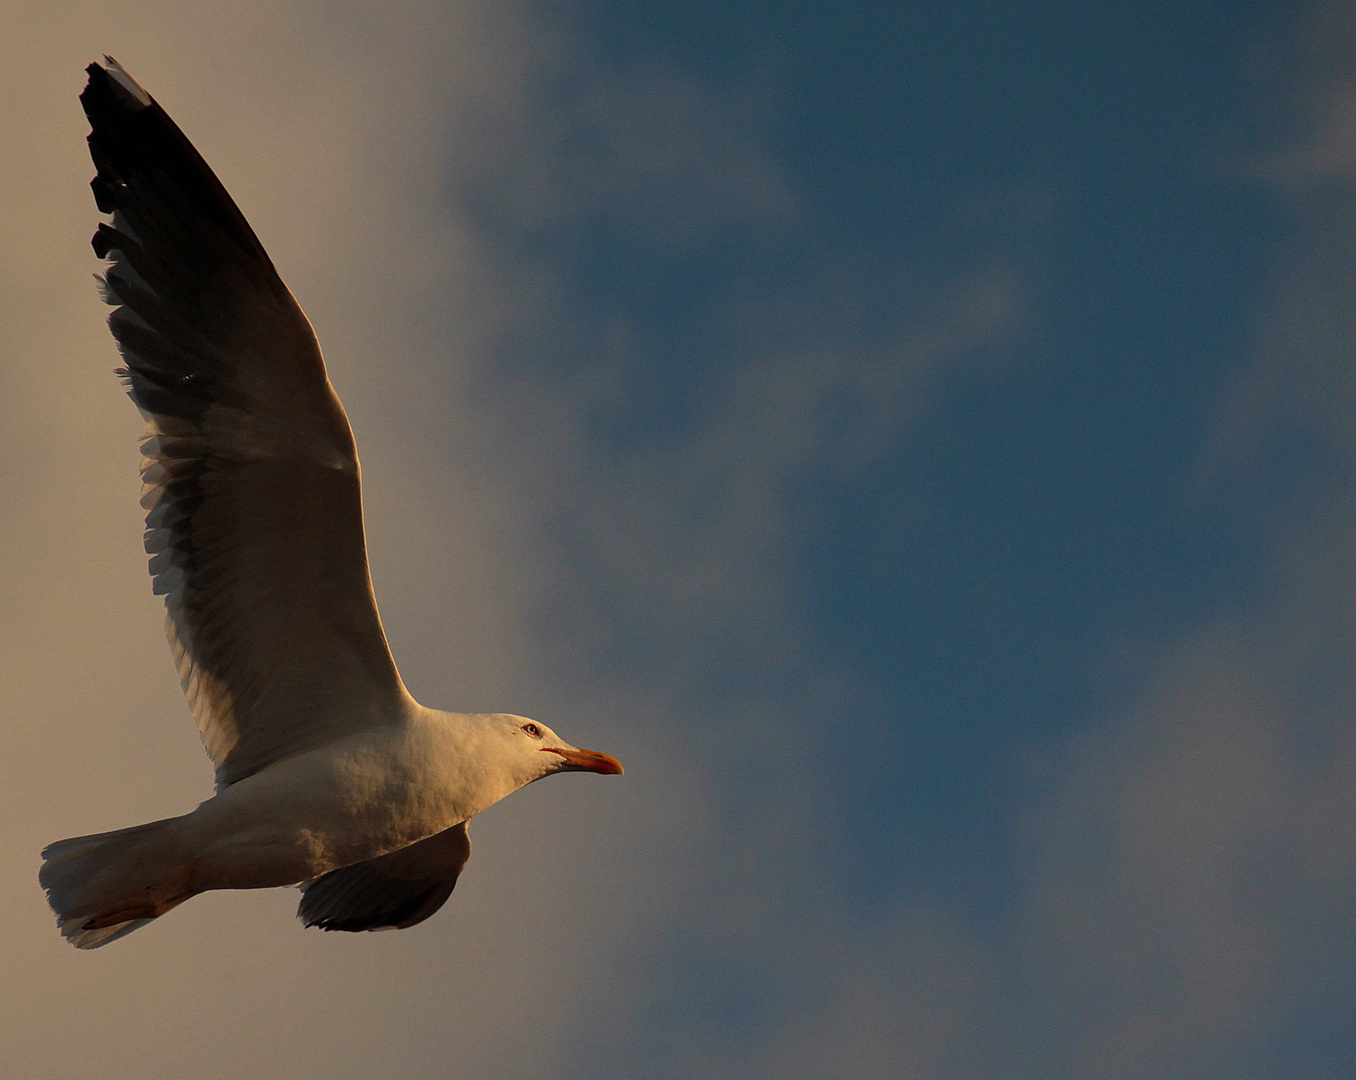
point(254, 518)
point(391, 892)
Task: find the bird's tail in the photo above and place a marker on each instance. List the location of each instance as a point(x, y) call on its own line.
point(107, 885)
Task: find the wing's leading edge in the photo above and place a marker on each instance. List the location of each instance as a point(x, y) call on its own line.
point(254, 517)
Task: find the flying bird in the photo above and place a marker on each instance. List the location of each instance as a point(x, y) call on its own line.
point(329, 774)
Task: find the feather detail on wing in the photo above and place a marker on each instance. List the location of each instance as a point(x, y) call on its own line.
point(391, 892)
point(254, 517)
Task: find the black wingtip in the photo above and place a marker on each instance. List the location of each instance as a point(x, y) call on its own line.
point(111, 81)
point(105, 195)
point(141, 157)
point(97, 68)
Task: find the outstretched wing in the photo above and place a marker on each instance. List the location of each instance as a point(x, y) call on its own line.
point(254, 518)
point(390, 892)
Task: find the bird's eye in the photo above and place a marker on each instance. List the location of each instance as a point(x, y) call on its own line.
point(532, 730)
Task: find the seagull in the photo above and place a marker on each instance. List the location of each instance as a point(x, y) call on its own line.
point(329, 775)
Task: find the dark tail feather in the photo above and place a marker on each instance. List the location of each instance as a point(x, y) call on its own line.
point(104, 886)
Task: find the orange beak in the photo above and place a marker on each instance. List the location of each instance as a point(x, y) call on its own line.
point(587, 761)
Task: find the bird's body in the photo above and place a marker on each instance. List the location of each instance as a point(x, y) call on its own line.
point(364, 796)
point(328, 772)
point(352, 800)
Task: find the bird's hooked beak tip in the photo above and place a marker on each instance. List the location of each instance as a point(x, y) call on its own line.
point(586, 761)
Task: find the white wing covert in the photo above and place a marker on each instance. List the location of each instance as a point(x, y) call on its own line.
point(254, 515)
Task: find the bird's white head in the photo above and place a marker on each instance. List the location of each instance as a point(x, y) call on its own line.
point(541, 752)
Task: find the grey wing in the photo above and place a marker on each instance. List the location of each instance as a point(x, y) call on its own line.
point(254, 515)
point(390, 892)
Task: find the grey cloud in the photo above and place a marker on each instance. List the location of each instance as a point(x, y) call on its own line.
point(1191, 899)
point(695, 533)
point(679, 548)
point(650, 153)
point(899, 1002)
point(1189, 879)
point(1191, 872)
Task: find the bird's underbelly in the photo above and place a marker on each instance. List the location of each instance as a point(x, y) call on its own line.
point(303, 817)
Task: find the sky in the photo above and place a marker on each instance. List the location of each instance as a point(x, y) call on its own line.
point(916, 439)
